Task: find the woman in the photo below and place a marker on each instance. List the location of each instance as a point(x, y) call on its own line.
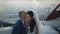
point(32, 18)
point(31, 21)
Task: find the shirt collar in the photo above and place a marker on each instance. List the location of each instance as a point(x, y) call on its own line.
point(22, 21)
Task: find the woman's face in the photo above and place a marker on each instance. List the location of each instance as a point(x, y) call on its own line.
point(28, 18)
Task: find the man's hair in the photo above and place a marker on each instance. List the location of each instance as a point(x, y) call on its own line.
point(30, 13)
point(21, 12)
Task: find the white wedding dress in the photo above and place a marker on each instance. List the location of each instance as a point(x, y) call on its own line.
point(43, 29)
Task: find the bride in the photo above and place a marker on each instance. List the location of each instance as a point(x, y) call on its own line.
point(35, 26)
point(32, 20)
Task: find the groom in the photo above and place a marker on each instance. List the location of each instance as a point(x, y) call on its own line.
point(19, 25)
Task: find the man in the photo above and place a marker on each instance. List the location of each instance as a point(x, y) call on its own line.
point(19, 25)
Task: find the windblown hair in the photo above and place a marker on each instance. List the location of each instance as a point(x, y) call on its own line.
point(32, 22)
point(30, 13)
point(32, 25)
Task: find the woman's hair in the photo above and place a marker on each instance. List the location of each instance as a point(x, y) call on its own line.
point(32, 21)
point(32, 25)
point(30, 13)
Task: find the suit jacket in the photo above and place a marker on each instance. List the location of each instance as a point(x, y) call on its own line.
point(18, 28)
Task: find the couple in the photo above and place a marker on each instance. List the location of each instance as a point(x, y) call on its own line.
point(27, 24)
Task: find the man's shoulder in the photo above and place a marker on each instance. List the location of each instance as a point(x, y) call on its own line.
point(18, 22)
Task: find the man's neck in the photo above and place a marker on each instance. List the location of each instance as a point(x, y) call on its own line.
point(22, 21)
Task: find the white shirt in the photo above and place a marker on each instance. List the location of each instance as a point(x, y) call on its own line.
point(22, 20)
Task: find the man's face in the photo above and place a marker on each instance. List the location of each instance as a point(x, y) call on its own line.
point(23, 16)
